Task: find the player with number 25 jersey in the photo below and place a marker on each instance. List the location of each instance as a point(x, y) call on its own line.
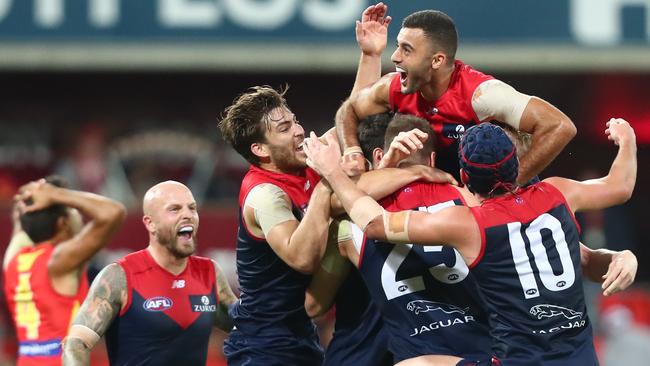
point(424, 292)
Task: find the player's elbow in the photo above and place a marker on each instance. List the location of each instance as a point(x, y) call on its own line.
point(565, 129)
point(313, 308)
point(306, 265)
point(375, 229)
point(112, 215)
point(618, 192)
point(623, 193)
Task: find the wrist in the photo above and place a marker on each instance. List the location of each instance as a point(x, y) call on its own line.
point(371, 54)
point(352, 150)
point(57, 195)
point(333, 174)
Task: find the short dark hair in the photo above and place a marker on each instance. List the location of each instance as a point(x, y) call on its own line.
point(371, 131)
point(41, 225)
point(245, 121)
point(438, 27)
point(407, 122)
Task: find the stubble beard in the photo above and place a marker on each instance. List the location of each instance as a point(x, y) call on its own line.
point(170, 241)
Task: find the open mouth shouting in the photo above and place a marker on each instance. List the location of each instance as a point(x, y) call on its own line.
point(186, 233)
point(403, 75)
point(300, 146)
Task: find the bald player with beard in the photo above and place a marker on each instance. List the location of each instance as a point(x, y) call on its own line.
point(157, 306)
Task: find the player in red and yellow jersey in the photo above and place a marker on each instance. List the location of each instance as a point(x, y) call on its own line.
point(45, 283)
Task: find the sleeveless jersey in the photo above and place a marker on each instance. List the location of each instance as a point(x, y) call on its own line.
point(425, 293)
point(41, 315)
point(529, 277)
point(359, 337)
point(167, 319)
point(271, 325)
point(450, 115)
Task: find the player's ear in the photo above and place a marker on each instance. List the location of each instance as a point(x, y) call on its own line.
point(260, 150)
point(62, 223)
point(149, 224)
point(377, 155)
point(439, 59)
point(464, 177)
point(432, 162)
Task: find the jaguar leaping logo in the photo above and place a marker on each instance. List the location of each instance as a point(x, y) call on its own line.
point(424, 306)
point(549, 311)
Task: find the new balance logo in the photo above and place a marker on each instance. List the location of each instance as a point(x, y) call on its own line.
point(178, 284)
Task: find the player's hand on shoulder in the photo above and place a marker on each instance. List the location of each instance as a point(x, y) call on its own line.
point(621, 273)
point(372, 31)
point(620, 131)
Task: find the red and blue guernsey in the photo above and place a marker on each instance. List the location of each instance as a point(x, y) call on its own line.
point(450, 115)
point(359, 337)
point(42, 316)
point(168, 318)
point(271, 325)
point(529, 277)
point(425, 293)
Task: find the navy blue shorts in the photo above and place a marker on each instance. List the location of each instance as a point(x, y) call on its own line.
point(243, 350)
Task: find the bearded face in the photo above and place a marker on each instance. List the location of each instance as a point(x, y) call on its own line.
point(172, 219)
point(180, 242)
point(284, 139)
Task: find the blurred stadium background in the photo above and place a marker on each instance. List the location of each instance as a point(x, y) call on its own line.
point(118, 95)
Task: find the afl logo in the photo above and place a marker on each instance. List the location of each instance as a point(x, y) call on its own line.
point(531, 291)
point(157, 303)
point(402, 288)
point(460, 129)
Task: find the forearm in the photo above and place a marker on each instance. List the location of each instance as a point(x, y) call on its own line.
point(222, 319)
point(348, 193)
point(333, 270)
point(309, 239)
point(96, 207)
point(622, 174)
point(18, 241)
point(551, 131)
point(546, 145)
point(368, 72)
point(227, 299)
point(383, 182)
point(346, 125)
point(595, 263)
point(75, 353)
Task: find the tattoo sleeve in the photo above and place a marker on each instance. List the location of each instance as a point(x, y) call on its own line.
point(98, 310)
point(227, 298)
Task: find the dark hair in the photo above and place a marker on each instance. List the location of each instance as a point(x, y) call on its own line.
point(438, 27)
point(41, 225)
point(245, 121)
point(489, 158)
point(407, 122)
point(371, 131)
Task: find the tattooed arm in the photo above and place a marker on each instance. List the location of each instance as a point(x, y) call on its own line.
point(226, 298)
point(106, 297)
